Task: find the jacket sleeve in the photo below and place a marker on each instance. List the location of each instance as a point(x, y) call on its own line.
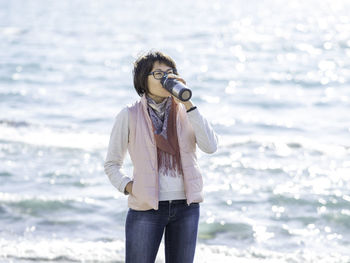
point(117, 147)
point(206, 138)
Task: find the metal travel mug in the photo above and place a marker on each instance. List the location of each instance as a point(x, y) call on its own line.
point(177, 88)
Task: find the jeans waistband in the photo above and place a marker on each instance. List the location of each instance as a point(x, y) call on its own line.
point(179, 201)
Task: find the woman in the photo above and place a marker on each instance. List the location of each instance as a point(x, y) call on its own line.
point(160, 133)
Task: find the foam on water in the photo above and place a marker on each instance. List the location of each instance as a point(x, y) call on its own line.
point(48, 137)
point(26, 250)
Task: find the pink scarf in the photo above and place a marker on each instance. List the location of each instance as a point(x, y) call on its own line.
point(163, 116)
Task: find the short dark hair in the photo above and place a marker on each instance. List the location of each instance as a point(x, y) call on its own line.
point(143, 66)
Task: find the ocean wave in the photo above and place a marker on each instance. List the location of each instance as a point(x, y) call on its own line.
point(58, 250)
point(5, 174)
point(24, 132)
point(10, 123)
point(295, 142)
point(35, 205)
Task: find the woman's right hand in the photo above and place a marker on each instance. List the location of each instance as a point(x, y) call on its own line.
point(129, 187)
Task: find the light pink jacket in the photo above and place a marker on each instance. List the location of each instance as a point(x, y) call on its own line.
point(143, 153)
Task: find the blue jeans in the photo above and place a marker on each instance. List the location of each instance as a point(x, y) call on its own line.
point(144, 231)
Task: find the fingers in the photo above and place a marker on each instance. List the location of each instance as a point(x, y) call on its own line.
point(177, 101)
point(173, 76)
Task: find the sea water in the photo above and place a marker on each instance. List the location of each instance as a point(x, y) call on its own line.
point(273, 78)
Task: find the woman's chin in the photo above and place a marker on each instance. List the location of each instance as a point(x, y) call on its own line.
point(158, 97)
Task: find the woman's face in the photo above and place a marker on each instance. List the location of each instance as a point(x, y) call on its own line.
point(155, 88)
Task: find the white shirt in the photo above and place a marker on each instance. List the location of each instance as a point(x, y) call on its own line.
point(170, 188)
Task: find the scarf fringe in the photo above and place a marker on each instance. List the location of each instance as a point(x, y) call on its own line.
point(168, 164)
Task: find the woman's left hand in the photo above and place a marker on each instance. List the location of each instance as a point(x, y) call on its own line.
point(188, 104)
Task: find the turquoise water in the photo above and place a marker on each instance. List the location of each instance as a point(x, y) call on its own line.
point(271, 76)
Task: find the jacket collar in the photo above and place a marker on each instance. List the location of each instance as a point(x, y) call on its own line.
point(144, 102)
